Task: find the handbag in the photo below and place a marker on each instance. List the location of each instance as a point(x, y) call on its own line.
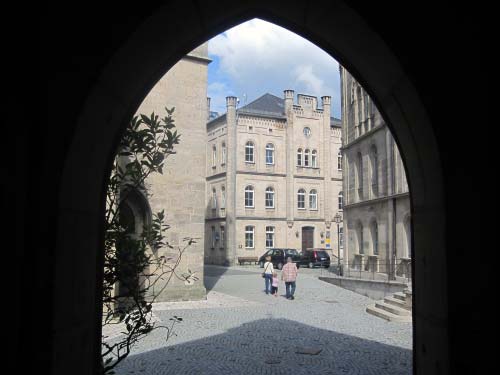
point(264, 273)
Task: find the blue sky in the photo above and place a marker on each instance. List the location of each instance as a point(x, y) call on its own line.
point(257, 57)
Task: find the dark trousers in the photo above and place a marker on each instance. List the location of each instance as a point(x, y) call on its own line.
point(290, 288)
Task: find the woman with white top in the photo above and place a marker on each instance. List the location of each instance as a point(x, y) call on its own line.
point(268, 274)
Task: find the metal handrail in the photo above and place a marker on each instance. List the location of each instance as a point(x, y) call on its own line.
point(371, 268)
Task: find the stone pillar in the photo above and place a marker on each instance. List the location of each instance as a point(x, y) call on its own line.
point(290, 160)
point(326, 158)
point(231, 193)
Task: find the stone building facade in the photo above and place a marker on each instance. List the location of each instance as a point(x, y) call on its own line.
point(376, 197)
point(180, 190)
point(273, 177)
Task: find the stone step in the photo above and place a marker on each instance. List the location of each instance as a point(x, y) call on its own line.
point(392, 309)
point(396, 302)
point(400, 295)
point(373, 310)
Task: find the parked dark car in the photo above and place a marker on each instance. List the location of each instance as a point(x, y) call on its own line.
point(278, 257)
point(315, 257)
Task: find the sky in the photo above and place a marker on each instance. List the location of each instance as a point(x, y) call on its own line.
point(258, 57)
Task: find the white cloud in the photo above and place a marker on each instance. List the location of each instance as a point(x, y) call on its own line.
point(217, 91)
point(259, 57)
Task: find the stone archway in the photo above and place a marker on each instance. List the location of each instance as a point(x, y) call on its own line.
point(125, 81)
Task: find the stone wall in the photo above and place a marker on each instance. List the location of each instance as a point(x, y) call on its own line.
point(180, 190)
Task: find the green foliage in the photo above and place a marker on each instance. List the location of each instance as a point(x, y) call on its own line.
point(132, 266)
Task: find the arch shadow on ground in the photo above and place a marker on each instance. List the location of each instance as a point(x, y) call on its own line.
point(270, 346)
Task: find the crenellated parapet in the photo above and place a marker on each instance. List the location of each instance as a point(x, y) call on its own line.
point(261, 122)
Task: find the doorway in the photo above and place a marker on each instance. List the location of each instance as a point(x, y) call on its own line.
point(307, 238)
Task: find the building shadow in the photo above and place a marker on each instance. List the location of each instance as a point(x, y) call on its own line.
point(271, 346)
point(212, 274)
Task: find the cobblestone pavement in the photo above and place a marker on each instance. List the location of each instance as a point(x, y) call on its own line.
point(241, 330)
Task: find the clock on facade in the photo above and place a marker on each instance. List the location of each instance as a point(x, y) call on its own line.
point(307, 131)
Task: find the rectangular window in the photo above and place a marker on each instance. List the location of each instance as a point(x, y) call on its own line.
point(249, 149)
point(269, 237)
point(249, 233)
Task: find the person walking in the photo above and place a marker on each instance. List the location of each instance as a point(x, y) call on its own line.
point(275, 284)
point(268, 274)
point(289, 275)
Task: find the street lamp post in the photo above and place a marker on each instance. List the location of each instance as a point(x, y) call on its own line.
point(338, 219)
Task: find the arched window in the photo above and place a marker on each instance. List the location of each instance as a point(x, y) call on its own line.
point(313, 200)
point(214, 155)
point(223, 156)
point(212, 239)
point(339, 161)
point(359, 109)
point(374, 230)
point(249, 196)
point(299, 157)
point(269, 197)
point(359, 176)
point(314, 159)
point(374, 169)
point(365, 110)
point(223, 197)
point(222, 236)
point(269, 237)
point(269, 154)
point(306, 158)
point(249, 234)
point(301, 199)
point(360, 239)
point(214, 199)
point(341, 201)
point(249, 152)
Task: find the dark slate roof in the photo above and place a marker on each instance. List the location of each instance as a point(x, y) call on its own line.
point(267, 104)
point(270, 106)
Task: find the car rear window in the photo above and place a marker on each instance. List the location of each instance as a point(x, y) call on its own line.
point(322, 253)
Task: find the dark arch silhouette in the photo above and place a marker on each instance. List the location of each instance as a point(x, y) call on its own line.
point(101, 62)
